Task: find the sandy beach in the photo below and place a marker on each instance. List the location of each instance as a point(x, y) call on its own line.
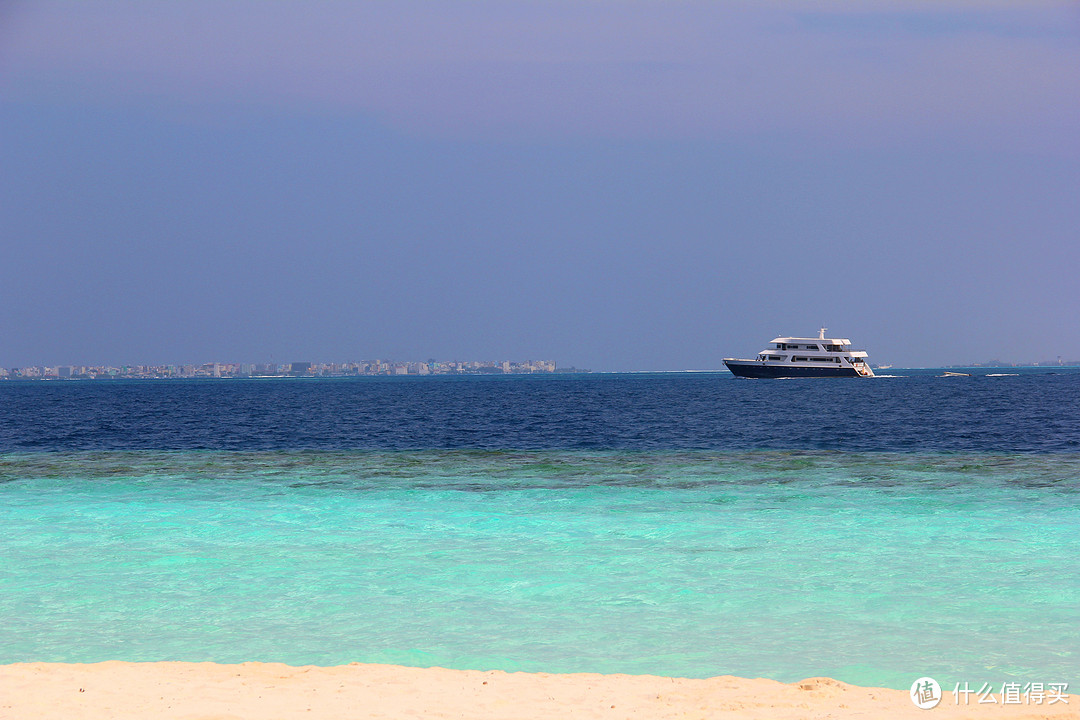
point(208, 691)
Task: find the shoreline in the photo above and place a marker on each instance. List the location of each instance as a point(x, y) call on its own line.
point(273, 690)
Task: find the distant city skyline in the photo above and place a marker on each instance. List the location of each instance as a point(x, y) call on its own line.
point(625, 186)
point(293, 369)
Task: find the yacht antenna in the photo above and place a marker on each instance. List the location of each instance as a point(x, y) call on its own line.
point(821, 334)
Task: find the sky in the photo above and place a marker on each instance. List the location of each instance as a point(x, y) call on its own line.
point(614, 185)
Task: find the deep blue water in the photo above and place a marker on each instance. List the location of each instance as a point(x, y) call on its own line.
point(1027, 412)
point(684, 524)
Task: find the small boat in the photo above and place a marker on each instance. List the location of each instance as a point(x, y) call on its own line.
point(804, 357)
point(954, 374)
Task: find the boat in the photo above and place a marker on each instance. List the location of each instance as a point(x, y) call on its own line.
point(789, 357)
point(954, 374)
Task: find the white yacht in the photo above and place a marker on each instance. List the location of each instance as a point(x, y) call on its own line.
point(804, 357)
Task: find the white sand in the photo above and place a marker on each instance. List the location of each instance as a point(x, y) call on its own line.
point(270, 691)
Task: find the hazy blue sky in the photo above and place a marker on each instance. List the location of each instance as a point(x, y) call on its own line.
point(616, 185)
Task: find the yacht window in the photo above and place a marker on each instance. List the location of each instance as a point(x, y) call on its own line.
point(776, 357)
point(811, 347)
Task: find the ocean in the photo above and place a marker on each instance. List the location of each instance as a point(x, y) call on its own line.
point(687, 524)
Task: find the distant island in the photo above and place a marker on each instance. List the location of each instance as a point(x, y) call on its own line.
point(293, 369)
point(996, 364)
point(1005, 364)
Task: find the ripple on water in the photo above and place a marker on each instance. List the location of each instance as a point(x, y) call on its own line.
point(864, 566)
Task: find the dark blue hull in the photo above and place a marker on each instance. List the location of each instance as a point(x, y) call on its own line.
point(761, 370)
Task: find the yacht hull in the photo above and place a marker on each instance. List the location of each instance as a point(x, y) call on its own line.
point(758, 369)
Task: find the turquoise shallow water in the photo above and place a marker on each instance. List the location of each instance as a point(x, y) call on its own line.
point(874, 568)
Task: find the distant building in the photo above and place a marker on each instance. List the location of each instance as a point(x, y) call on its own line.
point(309, 369)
